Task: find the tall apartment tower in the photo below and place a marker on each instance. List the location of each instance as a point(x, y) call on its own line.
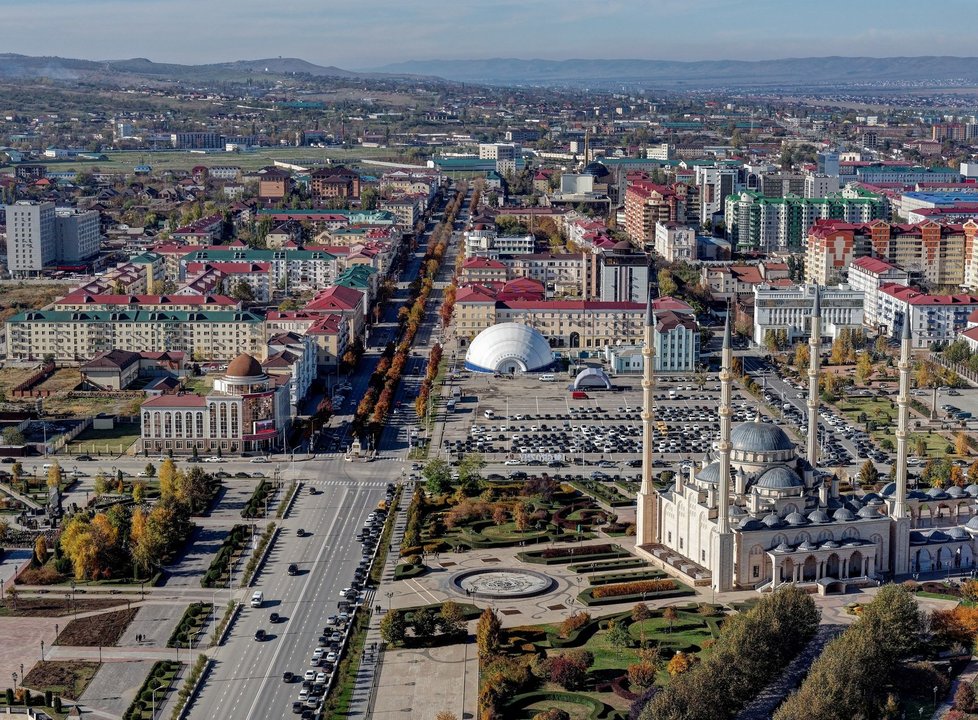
point(31, 242)
point(77, 235)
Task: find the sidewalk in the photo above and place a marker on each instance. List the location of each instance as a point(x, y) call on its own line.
point(361, 703)
point(967, 676)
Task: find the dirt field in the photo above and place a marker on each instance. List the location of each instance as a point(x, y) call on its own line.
point(67, 678)
point(54, 604)
point(104, 629)
point(63, 380)
point(17, 298)
point(11, 377)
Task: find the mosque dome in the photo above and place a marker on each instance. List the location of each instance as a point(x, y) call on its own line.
point(955, 492)
point(888, 489)
point(772, 520)
point(779, 478)
point(795, 519)
point(596, 169)
point(244, 366)
point(709, 474)
point(752, 523)
point(973, 524)
point(972, 490)
point(509, 348)
point(757, 437)
point(819, 517)
point(843, 514)
point(869, 512)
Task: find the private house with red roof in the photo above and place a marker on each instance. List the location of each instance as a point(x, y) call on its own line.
point(729, 281)
point(111, 370)
point(206, 231)
point(933, 318)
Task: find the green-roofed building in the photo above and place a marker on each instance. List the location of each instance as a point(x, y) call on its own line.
point(70, 335)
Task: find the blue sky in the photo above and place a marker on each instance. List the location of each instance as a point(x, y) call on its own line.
point(370, 33)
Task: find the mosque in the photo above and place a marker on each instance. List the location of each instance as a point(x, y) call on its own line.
point(758, 512)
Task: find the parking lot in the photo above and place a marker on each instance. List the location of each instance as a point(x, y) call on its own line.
point(520, 423)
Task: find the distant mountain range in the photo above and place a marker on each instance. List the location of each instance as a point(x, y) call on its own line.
point(68, 69)
point(931, 71)
point(790, 72)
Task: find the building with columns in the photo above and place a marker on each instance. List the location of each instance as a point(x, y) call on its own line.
point(247, 411)
point(757, 513)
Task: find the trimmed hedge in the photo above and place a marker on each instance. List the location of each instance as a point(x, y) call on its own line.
point(403, 571)
point(623, 564)
point(559, 556)
point(596, 710)
point(589, 600)
point(635, 588)
point(256, 504)
point(217, 573)
point(650, 574)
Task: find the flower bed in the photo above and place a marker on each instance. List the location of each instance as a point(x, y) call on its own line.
point(608, 565)
point(558, 555)
point(588, 598)
point(627, 577)
point(635, 588)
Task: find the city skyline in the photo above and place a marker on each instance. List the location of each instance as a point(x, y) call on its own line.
point(349, 38)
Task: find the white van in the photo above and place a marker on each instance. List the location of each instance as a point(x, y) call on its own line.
point(489, 414)
point(257, 598)
point(547, 378)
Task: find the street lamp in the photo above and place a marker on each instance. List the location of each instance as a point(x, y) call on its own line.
point(155, 690)
point(389, 596)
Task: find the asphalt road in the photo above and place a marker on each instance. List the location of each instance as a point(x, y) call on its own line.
point(246, 681)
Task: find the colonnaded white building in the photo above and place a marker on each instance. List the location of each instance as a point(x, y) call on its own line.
point(758, 513)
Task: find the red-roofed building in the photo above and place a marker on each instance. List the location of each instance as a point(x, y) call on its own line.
point(647, 203)
point(868, 274)
point(730, 282)
point(933, 318)
point(205, 231)
point(84, 301)
point(482, 269)
point(943, 254)
point(256, 275)
point(343, 301)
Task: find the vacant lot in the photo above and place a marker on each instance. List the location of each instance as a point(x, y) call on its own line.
point(17, 298)
point(67, 678)
point(63, 380)
point(93, 441)
point(104, 629)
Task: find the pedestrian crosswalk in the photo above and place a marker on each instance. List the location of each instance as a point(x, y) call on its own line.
point(346, 483)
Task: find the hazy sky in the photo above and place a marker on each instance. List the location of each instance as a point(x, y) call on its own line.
point(368, 33)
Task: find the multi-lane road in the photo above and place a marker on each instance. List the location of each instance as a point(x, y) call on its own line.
point(246, 680)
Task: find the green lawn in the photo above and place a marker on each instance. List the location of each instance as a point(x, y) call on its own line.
point(91, 441)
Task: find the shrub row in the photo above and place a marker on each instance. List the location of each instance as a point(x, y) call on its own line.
point(189, 686)
point(256, 556)
point(256, 503)
point(161, 675)
point(588, 599)
point(190, 624)
point(218, 573)
point(635, 588)
point(623, 564)
point(650, 574)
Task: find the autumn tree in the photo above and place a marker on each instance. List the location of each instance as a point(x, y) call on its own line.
point(451, 620)
point(569, 669)
point(961, 445)
point(680, 663)
point(521, 517)
point(138, 491)
point(40, 550)
point(488, 633)
point(642, 675)
point(868, 474)
point(425, 622)
point(168, 476)
point(670, 614)
point(641, 612)
point(802, 358)
point(393, 628)
point(54, 475)
point(864, 368)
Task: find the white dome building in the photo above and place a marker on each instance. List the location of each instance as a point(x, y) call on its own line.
point(509, 348)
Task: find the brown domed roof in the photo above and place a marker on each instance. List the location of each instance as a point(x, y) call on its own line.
point(244, 366)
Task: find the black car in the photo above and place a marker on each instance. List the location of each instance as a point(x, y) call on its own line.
point(80, 458)
point(297, 707)
point(274, 618)
point(634, 463)
point(287, 677)
point(260, 634)
point(293, 569)
point(300, 532)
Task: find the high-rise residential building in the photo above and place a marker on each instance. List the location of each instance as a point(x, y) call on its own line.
point(942, 255)
point(932, 318)
point(715, 185)
point(498, 151)
point(31, 239)
point(647, 203)
point(868, 275)
point(819, 186)
point(755, 222)
point(77, 235)
point(828, 163)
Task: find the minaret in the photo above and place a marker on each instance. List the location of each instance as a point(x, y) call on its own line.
point(722, 566)
point(723, 447)
point(814, 345)
point(646, 510)
point(903, 421)
point(900, 527)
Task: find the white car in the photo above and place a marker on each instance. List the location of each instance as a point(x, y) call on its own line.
point(318, 652)
point(332, 657)
point(513, 462)
point(259, 460)
point(213, 459)
point(321, 678)
point(310, 675)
